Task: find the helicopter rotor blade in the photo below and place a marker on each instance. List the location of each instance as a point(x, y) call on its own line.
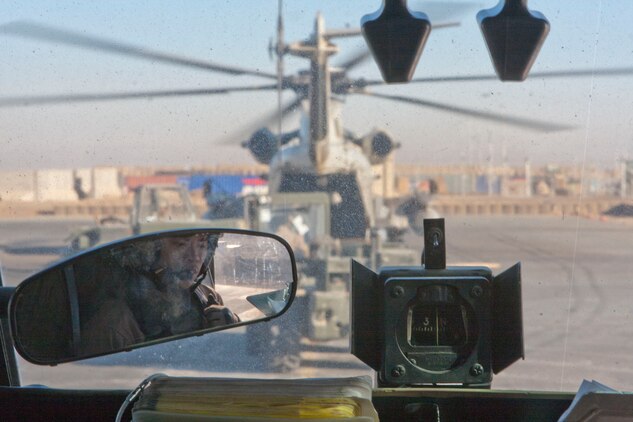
point(80, 98)
point(355, 32)
point(616, 71)
point(265, 121)
point(359, 57)
point(510, 120)
point(280, 65)
point(363, 53)
point(50, 34)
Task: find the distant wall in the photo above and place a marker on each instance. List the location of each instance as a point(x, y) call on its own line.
point(59, 184)
point(17, 186)
point(108, 183)
point(54, 185)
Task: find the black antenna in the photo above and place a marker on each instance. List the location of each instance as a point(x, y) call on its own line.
point(434, 255)
point(280, 68)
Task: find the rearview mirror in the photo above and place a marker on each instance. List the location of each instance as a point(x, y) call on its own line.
point(151, 289)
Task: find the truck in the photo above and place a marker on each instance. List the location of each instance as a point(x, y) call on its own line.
point(155, 207)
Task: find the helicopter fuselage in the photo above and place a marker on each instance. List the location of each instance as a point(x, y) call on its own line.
point(341, 169)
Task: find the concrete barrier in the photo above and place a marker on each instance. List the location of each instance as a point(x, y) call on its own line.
point(492, 205)
point(445, 205)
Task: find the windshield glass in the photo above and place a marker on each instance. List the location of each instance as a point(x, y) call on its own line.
point(307, 220)
point(101, 98)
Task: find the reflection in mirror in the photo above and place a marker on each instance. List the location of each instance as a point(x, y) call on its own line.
point(149, 289)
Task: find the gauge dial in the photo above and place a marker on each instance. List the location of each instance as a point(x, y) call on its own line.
point(438, 325)
point(441, 328)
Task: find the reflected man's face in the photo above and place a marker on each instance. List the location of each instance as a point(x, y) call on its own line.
point(183, 256)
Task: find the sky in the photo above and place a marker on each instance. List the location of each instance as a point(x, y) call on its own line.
point(206, 130)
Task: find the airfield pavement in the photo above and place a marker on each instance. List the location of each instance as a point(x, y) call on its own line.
point(577, 277)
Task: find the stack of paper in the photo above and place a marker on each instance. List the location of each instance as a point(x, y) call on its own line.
point(597, 402)
point(229, 399)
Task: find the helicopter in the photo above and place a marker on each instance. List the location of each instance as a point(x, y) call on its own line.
point(320, 156)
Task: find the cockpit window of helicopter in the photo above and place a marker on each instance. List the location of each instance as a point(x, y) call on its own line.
point(136, 116)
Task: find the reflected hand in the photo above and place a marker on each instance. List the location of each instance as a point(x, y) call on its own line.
point(218, 315)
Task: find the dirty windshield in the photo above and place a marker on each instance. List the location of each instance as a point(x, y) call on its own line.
point(308, 220)
point(163, 203)
point(231, 114)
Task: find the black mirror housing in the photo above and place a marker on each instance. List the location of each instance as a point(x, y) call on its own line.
point(514, 36)
point(396, 37)
point(151, 289)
